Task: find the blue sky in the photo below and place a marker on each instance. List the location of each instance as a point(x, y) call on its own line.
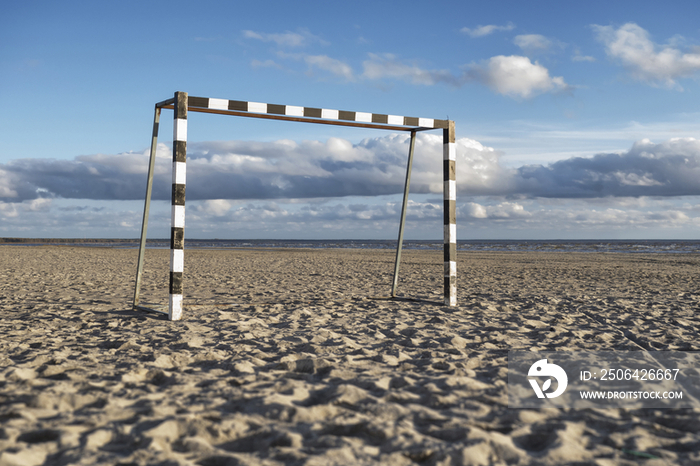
point(574, 119)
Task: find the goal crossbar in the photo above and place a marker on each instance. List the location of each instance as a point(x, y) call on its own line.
point(307, 114)
point(181, 103)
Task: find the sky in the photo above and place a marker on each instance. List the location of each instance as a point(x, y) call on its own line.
point(574, 120)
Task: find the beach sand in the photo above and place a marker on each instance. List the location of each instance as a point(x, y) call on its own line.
point(281, 358)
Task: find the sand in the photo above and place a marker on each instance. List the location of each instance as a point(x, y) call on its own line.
point(282, 359)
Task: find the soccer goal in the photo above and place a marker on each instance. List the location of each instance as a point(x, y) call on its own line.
point(181, 103)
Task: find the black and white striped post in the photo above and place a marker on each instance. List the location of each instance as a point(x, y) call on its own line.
point(177, 225)
point(450, 213)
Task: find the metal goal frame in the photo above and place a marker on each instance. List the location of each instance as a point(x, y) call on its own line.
point(181, 103)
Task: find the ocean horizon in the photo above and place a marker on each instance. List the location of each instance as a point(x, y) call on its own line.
point(588, 245)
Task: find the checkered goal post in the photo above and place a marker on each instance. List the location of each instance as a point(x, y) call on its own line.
point(181, 103)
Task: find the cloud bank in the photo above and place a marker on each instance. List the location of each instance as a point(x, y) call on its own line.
point(253, 170)
point(336, 189)
point(667, 169)
point(244, 170)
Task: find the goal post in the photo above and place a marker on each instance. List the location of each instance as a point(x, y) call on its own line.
point(181, 104)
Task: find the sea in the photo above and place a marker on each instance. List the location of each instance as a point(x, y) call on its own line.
point(604, 246)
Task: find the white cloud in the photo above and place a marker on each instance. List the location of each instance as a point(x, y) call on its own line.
point(309, 218)
point(265, 64)
point(301, 38)
point(578, 57)
point(513, 76)
point(645, 60)
point(612, 218)
point(325, 63)
point(389, 66)
point(481, 31)
point(475, 210)
point(516, 76)
point(6, 189)
point(599, 218)
point(8, 210)
point(533, 43)
point(500, 211)
point(508, 210)
point(38, 205)
point(216, 207)
point(636, 179)
point(332, 65)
